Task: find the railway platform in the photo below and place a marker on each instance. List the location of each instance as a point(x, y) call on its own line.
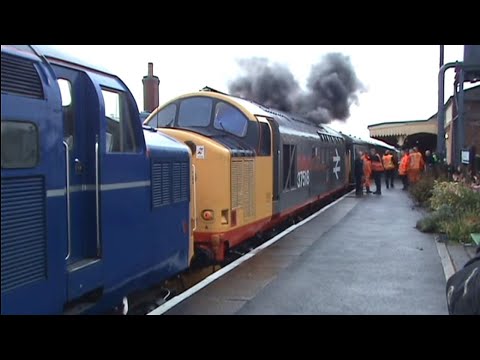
point(357, 256)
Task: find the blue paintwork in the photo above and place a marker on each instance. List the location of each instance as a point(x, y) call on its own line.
point(85, 280)
point(141, 245)
point(83, 219)
point(48, 295)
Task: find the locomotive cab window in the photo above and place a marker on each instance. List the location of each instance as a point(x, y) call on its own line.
point(195, 112)
point(119, 136)
point(20, 145)
point(65, 91)
point(265, 140)
point(230, 119)
point(68, 111)
point(165, 117)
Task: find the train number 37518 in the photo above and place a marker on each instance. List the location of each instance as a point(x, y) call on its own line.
point(303, 178)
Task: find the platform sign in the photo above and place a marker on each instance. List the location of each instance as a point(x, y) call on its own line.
point(465, 157)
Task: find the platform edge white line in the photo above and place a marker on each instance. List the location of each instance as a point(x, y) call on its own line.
point(447, 264)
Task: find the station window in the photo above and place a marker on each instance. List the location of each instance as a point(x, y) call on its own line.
point(164, 117)
point(20, 145)
point(195, 112)
point(289, 166)
point(265, 140)
point(230, 119)
point(120, 136)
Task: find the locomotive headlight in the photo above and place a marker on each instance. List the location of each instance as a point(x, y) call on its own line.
point(207, 215)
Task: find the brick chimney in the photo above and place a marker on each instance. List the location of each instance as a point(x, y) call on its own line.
point(150, 90)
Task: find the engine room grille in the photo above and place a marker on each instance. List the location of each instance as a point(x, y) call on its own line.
point(161, 184)
point(24, 257)
point(180, 182)
point(170, 183)
point(243, 186)
point(20, 77)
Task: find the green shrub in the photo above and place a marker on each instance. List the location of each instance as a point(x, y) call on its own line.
point(455, 209)
point(422, 190)
point(427, 225)
point(460, 227)
point(458, 196)
point(434, 222)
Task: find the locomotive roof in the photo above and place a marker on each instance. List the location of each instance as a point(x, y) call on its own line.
point(285, 120)
point(370, 142)
point(53, 53)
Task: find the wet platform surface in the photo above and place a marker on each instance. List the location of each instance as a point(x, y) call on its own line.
point(360, 256)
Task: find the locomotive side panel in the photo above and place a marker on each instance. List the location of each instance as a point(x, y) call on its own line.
point(34, 226)
point(82, 200)
point(317, 163)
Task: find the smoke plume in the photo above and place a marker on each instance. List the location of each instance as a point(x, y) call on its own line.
point(332, 87)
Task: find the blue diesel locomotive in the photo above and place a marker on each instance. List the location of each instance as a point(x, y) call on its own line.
point(93, 205)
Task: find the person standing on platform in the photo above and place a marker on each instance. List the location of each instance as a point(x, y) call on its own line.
point(403, 168)
point(415, 166)
point(367, 172)
point(389, 166)
point(429, 162)
point(377, 170)
point(436, 165)
point(358, 173)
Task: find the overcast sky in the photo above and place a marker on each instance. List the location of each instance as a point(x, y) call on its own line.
point(401, 80)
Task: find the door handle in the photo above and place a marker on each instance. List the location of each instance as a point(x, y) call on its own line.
point(79, 167)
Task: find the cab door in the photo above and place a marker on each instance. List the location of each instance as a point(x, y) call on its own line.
point(125, 196)
point(266, 186)
point(81, 131)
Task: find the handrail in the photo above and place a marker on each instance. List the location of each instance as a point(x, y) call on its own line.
point(97, 196)
point(67, 171)
point(194, 197)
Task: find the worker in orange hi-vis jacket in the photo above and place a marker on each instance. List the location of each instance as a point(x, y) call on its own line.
point(367, 171)
point(389, 166)
point(377, 170)
point(415, 166)
point(403, 168)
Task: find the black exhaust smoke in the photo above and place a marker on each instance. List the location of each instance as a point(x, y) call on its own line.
point(332, 88)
